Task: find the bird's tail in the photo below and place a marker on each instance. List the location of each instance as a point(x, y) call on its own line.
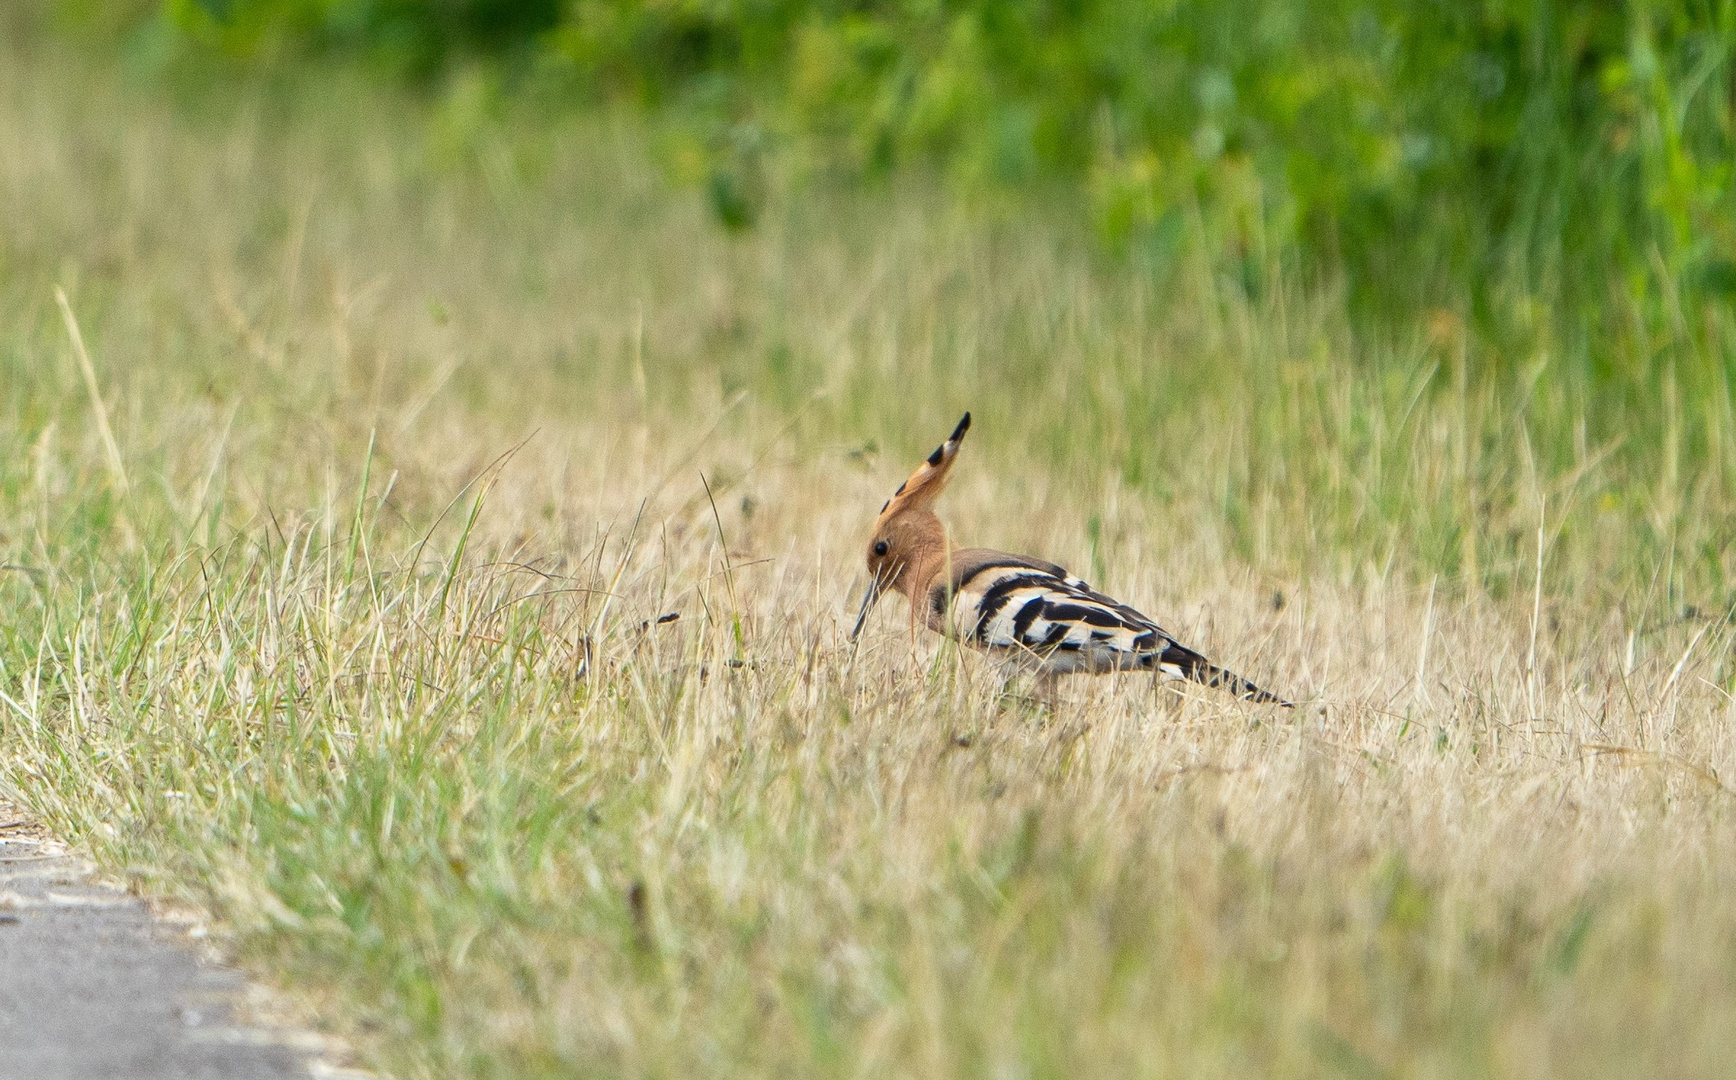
point(1183, 662)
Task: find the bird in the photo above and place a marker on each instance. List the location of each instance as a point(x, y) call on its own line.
point(1025, 610)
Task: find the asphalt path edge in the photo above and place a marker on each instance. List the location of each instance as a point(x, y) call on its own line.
point(94, 983)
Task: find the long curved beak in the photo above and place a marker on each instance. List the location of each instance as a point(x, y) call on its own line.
point(869, 597)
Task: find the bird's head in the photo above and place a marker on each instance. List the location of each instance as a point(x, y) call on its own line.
point(908, 538)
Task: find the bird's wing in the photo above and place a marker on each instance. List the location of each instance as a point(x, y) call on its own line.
point(1027, 605)
point(1013, 604)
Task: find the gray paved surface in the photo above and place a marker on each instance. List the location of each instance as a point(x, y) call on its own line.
point(92, 987)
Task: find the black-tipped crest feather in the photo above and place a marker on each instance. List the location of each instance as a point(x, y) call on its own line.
point(951, 440)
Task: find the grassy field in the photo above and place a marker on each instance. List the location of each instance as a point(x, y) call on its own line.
point(337, 535)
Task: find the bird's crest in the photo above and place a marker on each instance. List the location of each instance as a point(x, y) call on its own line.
point(925, 484)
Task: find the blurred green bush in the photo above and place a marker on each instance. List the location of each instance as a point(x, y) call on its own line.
point(1544, 152)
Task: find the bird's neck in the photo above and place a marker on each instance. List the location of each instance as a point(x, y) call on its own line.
point(925, 571)
point(931, 570)
point(930, 556)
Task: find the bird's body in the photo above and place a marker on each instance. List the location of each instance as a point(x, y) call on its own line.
point(1027, 611)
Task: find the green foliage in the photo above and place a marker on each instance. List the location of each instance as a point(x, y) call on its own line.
point(416, 37)
point(1550, 151)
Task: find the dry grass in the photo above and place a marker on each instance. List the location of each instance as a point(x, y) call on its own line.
point(347, 640)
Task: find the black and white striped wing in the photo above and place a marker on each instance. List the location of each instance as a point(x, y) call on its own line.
point(1059, 624)
point(1055, 618)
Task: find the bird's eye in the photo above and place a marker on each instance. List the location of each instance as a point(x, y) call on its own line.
point(880, 547)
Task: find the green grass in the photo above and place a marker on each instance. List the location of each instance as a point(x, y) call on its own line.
point(346, 642)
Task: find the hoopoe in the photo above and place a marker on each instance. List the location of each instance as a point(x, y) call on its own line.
point(1027, 610)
